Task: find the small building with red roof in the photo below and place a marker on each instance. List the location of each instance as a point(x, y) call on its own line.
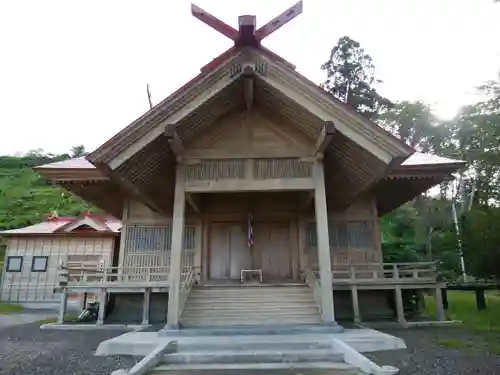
point(34, 253)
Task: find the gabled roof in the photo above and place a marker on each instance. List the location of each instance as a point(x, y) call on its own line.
point(416, 159)
point(105, 225)
point(271, 71)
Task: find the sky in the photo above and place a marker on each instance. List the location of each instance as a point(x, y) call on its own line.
point(75, 72)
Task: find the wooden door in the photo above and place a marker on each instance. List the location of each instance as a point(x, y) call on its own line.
point(228, 251)
point(272, 249)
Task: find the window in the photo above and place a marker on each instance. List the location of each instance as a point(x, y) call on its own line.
point(14, 264)
point(39, 264)
point(346, 235)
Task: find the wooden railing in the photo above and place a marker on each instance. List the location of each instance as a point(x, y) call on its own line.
point(188, 278)
point(389, 272)
point(312, 281)
point(112, 276)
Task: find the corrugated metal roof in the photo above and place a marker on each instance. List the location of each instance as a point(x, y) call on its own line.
point(76, 163)
point(51, 226)
point(419, 158)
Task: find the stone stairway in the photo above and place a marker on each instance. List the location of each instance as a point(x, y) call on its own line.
point(276, 354)
point(250, 305)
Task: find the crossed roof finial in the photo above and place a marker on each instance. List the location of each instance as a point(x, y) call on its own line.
point(247, 35)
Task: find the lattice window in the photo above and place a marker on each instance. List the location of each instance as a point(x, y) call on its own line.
point(153, 239)
point(213, 170)
point(345, 235)
point(281, 168)
point(148, 239)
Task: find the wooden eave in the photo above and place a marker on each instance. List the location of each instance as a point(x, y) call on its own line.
point(71, 174)
point(279, 76)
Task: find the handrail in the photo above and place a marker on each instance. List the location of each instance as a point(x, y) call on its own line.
point(418, 271)
point(77, 276)
point(149, 362)
point(187, 280)
point(313, 283)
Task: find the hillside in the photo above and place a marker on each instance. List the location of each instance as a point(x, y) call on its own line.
point(25, 197)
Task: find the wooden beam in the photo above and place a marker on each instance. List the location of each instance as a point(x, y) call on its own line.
point(194, 202)
point(214, 22)
point(279, 21)
point(325, 138)
point(174, 140)
point(278, 184)
point(248, 80)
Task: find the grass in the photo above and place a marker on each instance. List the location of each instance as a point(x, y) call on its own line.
point(462, 306)
point(485, 324)
point(6, 308)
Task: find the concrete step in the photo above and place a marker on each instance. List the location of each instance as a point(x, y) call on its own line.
point(230, 345)
point(255, 330)
point(314, 368)
point(252, 356)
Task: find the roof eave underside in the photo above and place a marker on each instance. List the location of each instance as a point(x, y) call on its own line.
point(277, 75)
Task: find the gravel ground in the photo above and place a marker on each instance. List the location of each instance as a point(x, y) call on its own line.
point(26, 350)
point(429, 352)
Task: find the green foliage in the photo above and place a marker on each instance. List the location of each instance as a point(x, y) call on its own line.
point(481, 242)
point(25, 198)
point(351, 78)
point(462, 307)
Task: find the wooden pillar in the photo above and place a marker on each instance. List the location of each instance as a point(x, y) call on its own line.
point(63, 306)
point(102, 306)
point(398, 294)
point(480, 299)
point(440, 314)
point(176, 250)
point(323, 241)
point(145, 307)
point(355, 304)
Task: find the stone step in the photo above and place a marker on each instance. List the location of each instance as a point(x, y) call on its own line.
point(314, 368)
point(252, 356)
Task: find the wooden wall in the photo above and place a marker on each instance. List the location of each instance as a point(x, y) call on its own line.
point(354, 235)
point(39, 286)
point(147, 236)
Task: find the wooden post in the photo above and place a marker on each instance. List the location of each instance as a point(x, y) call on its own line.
point(145, 307)
point(440, 314)
point(480, 299)
point(398, 294)
point(355, 304)
point(323, 241)
point(444, 296)
point(176, 250)
point(102, 306)
point(63, 306)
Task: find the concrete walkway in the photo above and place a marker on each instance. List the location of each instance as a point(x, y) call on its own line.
point(25, 316)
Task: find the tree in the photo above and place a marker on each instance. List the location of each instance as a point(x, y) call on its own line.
point(414, 123)
point(78, 151)
point(351, 78)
